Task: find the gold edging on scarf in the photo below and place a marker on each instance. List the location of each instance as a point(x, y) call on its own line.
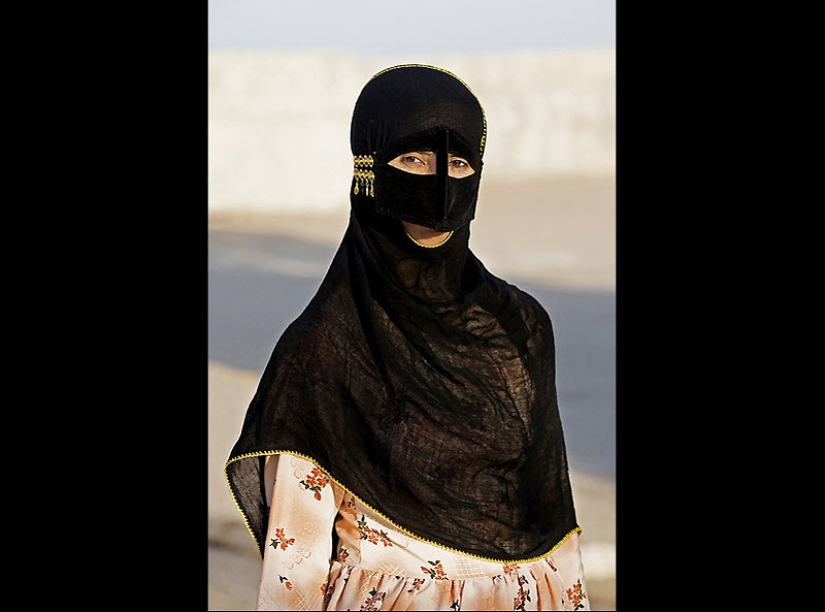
point(483, 114)
point(374, 511)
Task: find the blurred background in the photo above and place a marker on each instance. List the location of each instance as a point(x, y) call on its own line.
point(283, 81)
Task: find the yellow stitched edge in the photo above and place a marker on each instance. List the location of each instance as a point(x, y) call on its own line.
point(434, 246)
point(483, 114)
point(235, 500)
point(374, 511)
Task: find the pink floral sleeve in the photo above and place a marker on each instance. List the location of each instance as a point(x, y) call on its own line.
point(299, 536)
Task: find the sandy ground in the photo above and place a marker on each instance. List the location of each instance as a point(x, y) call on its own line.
point(557, 231)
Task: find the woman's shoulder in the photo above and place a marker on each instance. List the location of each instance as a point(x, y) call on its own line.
point(530, 308)
point(326, 327)
point(528, 303)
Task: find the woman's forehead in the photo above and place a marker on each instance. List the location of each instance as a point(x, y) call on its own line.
point(415, 102)
point(430, 140)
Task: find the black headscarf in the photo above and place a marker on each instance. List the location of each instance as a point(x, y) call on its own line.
point(415, 379)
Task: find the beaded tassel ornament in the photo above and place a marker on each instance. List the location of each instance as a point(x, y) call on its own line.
point(364, 176)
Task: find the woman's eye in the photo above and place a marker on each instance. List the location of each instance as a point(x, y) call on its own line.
point(460, 167)
point(411, 159)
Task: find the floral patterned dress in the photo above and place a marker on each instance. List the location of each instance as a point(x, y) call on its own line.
point(377, 567)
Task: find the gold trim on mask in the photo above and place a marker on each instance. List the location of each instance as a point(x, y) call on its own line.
point(429, 246)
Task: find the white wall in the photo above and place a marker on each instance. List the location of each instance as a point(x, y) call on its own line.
point(279, 123)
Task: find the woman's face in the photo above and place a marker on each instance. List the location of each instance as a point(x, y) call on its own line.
point(424, 162)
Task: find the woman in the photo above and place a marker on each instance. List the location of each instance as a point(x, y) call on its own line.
point(404, 449)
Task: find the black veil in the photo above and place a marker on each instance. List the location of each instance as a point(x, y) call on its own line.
point(416, 379)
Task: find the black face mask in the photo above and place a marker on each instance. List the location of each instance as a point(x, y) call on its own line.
point(421, 109)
